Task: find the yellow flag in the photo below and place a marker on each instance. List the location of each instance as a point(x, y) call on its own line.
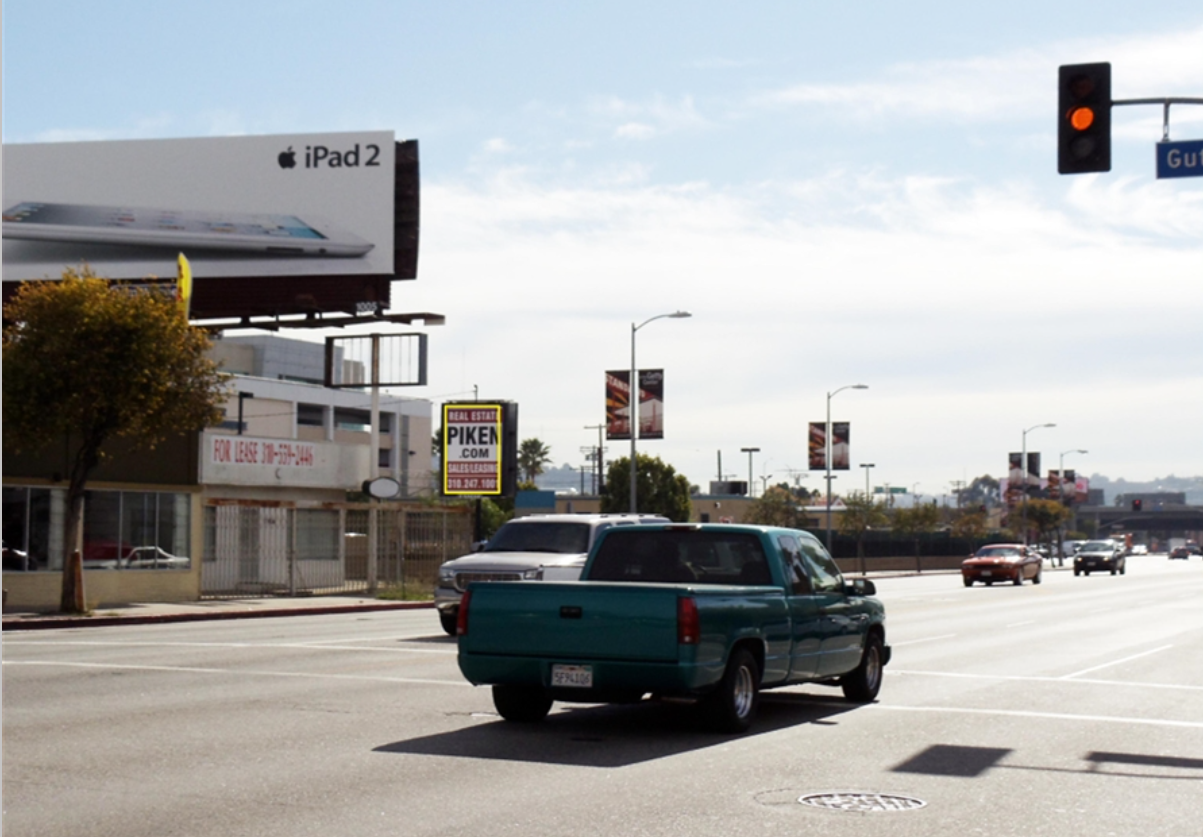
point(183, 285)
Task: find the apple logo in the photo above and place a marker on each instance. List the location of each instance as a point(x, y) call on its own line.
point(287, 159)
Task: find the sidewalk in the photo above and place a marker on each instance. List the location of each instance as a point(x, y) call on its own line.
point(147, 613)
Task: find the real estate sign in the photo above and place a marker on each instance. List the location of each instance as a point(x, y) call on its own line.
point(479, 448)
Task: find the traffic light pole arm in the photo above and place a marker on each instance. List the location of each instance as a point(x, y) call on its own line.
point(1165, 102)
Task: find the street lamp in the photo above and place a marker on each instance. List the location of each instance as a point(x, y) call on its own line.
point(827, 453)
point(1061, 466)
point(751, 485)
point(242, 396)
point(1061, 496)
point(633, 398)
point(1023, 469)
point(867, 466)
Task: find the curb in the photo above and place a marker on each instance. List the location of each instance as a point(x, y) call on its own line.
point(45, 623)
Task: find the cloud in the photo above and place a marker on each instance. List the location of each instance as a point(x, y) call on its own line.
point(1019, 83)
point(966, 308)
point(635, 130)
point(497, 145)
point(649, 118)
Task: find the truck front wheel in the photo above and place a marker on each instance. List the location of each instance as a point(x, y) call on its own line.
point(732, 707)
point(862, 684)
point(448, 619)
point(521, 704)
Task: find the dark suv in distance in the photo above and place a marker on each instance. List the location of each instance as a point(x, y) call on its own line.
point(1107, 555)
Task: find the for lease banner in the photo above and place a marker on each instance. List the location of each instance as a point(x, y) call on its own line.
point(472, 448)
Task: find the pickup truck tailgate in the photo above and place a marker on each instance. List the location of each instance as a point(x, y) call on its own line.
point(594, 621)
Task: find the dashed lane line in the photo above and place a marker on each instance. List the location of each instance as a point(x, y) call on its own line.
point(238, 672)
point(1050, 716)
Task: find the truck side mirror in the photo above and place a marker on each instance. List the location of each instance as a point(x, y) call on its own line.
point(860, 587)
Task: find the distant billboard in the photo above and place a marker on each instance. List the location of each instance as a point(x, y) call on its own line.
point(297, 223)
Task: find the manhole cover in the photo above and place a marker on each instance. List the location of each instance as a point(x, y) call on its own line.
point(862, 802)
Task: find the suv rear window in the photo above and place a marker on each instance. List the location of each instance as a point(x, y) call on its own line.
point(561, 538)
point(696, 557)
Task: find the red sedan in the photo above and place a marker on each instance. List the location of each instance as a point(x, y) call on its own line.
point(1011, 562)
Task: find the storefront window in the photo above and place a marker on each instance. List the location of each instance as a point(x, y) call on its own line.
point(33, 529)
point(123, 530)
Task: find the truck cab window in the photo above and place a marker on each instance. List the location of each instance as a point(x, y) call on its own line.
point(791, 551)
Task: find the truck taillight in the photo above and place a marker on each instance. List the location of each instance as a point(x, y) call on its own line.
point(461, 616)
point(688, 630)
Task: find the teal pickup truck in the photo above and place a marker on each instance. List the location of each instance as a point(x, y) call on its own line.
point(709, 613)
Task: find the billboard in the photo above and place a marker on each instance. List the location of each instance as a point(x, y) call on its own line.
point(479, 448)
point(295, 222)
point(651, 404)
point(841, 454)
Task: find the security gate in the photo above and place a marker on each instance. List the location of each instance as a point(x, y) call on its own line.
point(256, 548)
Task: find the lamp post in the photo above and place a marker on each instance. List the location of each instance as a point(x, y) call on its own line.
point(827, 453)
point(242, 396)
point(633, 399)
point(1023, 469)
point(751, 485)
point(867, 466)
point(1061, 496)
point(1061, 466)
point(600, 458)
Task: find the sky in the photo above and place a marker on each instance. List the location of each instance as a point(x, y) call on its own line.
point(839, 194)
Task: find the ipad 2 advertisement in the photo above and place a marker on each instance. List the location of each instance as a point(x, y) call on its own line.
point(284, 205)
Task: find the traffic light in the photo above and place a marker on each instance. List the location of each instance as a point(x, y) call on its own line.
point(1084, 118)
point(1138, 505)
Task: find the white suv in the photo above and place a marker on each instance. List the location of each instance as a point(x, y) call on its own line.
point(538, 547)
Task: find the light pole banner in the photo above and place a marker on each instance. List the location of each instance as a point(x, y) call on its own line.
point(618, 400)
point(841, 436)
point(651, 404)
point(1014, 485)
point(817, 446)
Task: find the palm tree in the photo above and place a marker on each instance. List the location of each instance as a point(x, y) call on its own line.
point(533, 455)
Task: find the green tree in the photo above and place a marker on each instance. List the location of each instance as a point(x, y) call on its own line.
point(970, 523)
point(777, 507)
point(1047, 517)
point(861, 514)
point(984, 490)
point(86, 362)
point(533, 457)
point(917, 520)
point(660, 489)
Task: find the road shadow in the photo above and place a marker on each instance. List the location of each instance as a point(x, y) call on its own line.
point(615, 735)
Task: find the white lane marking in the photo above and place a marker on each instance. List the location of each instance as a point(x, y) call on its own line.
point(1118, 662)
point(1052, 716)
point(1020, 624)
point(1036, 679)
point(238, 672)
point(449, 651)
point(925, 639)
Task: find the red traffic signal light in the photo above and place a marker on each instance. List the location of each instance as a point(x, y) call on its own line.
point(1138, 505)
point(1084, 118)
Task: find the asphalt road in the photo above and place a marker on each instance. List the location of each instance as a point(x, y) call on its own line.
point(1070, 708)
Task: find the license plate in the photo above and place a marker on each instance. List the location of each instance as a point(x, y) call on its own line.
point(986, 573)
point(572, 677)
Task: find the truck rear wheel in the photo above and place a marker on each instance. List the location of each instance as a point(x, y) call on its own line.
point(521, 704)
point(862, 684)
point(732, 707)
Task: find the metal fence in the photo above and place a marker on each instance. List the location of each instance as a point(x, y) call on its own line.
point(256, 549)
